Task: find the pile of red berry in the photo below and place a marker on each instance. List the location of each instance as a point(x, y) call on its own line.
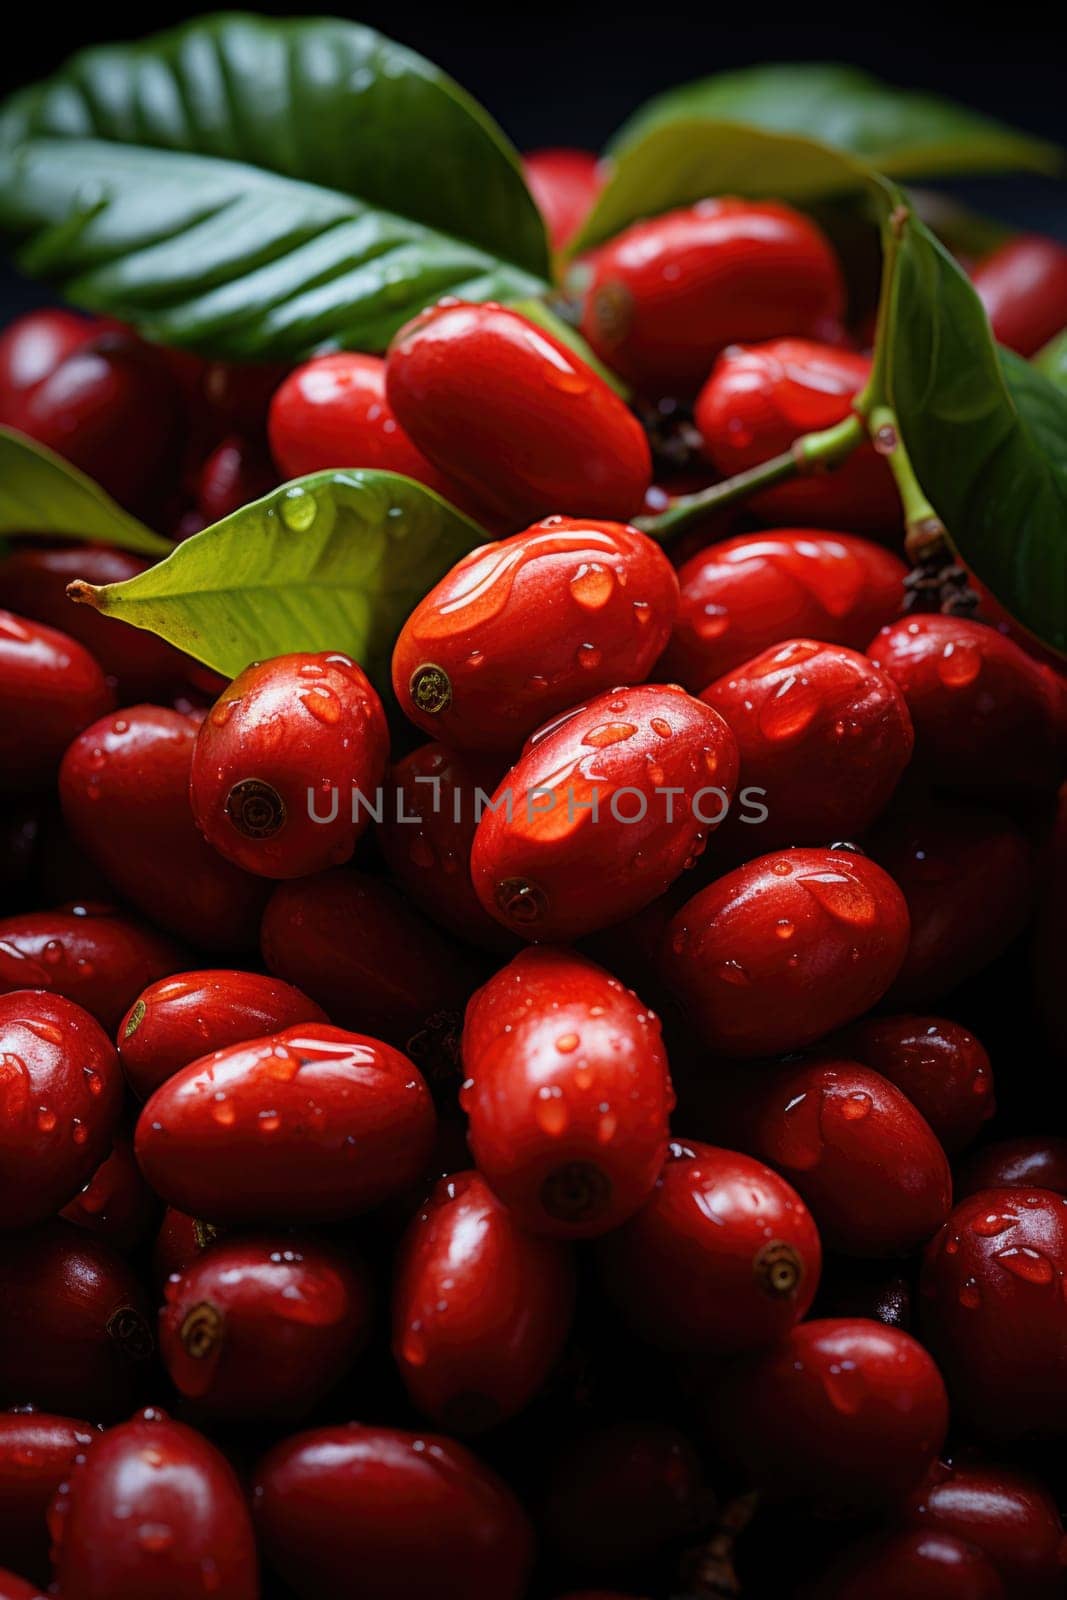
point(550, 1153)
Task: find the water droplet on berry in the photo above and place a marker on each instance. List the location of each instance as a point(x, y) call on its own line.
point(841, 896)
point(1029, 1265)
point(593, 585)
point(567, 1043)
point(856, 1106)
point(609, 733)
point(589, 656)
point(991, 1224)
point(969, 1296)
point(550, 1110)
point(959, 664)
point(46, 1120)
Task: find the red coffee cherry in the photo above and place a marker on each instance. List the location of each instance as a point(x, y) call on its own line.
point(236, 472)
point(481, 1310)
point(50, 688)
point(924, 1566)
point(37, 1451)
point(287, 763)
point(263, 1326)
point(858, 1152)
point(1004, 1512)
point(33, 581)
point(667, 295)
point(15, 1588)
point(842, 1412)
point(760, 398)
point(154, 1509)
point(89, 1318)
point(721, 1258)
point(967, 877)
point(567, 1094)
point(308, 1125)
point(116, 1203)
point(516, 416)
point(427, 831)
point(1023, 286)
point(90, 954)
point(745, 594)
point(180, 1019)
point(523, 629)
point(822, 732)
point(1039, 1162)
point(785, 948)
point(353, 945)
point(987, 716)
point(602, 811)
point(61, 1094)
point(124, 788)
point(179, 1242)
point(410, 1513)
point(33, 346)
point(236, 395)
point(995, 1314)
point(565, 183)
point(942, 1069)
point(620, 1494)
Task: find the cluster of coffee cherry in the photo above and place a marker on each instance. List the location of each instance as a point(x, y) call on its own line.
point(524, 1135)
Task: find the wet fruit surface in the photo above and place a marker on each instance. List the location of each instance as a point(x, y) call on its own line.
point(37, 1451)
point(940, 1066)
point(928, 1566)
point(50, 688)
point(88, 953)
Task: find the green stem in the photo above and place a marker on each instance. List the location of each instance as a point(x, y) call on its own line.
point(813, 452)
point(925, 531)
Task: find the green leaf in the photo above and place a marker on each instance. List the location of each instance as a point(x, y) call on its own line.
point(1052, 360)
point(333, 561)
point(898, 131)
point(41, 493)
point(985, 431)
point(260, 188)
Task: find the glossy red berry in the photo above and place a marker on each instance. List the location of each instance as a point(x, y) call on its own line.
point(1023, 287)
point(516, 416)
point(922, 1565)
point(842, 1412)
point(37, 1451)
point(288, 762)
point(786, 948)
point(116, 1203)
point(91, 1335)
point(308, 1125)
point(154, 1509)
point(822, 732)
point(856, 1149)
point(567, 1094)
point(90, 954)
point(426, 835)
point(761, 397)
point(745, 594)
point(177, 1020)
point(13, 1587)
point(50, 689)
point(987, 716)
point(236, 395)
point(994, 1311)
point(481, 1309)
point(938, 1064)
point(352, 944)
point(236, 472)
point(124, 788)
point(521, 630)
point(179, 1242)
point(60, 1094)
point(32, 347)
point(967, 877)
point(723, 1257)
point(668, 294)
point(1036, 1162)
point(605, 807)
point(263, 1326)
point(565, 183)
point(410, 1513)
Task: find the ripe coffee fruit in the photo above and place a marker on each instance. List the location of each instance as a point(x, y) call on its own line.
point(516, 416)
point(760, 398)
point(822, 731)
point(16, 1588)
point(995, 1315)
point(942, 1069)
point(1037, 1162)
point(521, 630)
point(236, 472)
point(481, 1309)
point(785, 948)
point(90, 954)
point(746, 594)
point(923, 1565)
point(153, 1509)
point(180, 1019)
point(722, 1257)
point(37, 1451)
point(841, 1412)
point(567, 1093)
point(124, 788)
point(287, 763)
point(1023, 286)
point(410, 1513)
point(33, 346)
point(61, 1094)
point(312, 1124)
point(263, 1326)
point(667, 295)
point(602, 811)
point(50, 688)
point(565, 184)
point(116, 1203)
